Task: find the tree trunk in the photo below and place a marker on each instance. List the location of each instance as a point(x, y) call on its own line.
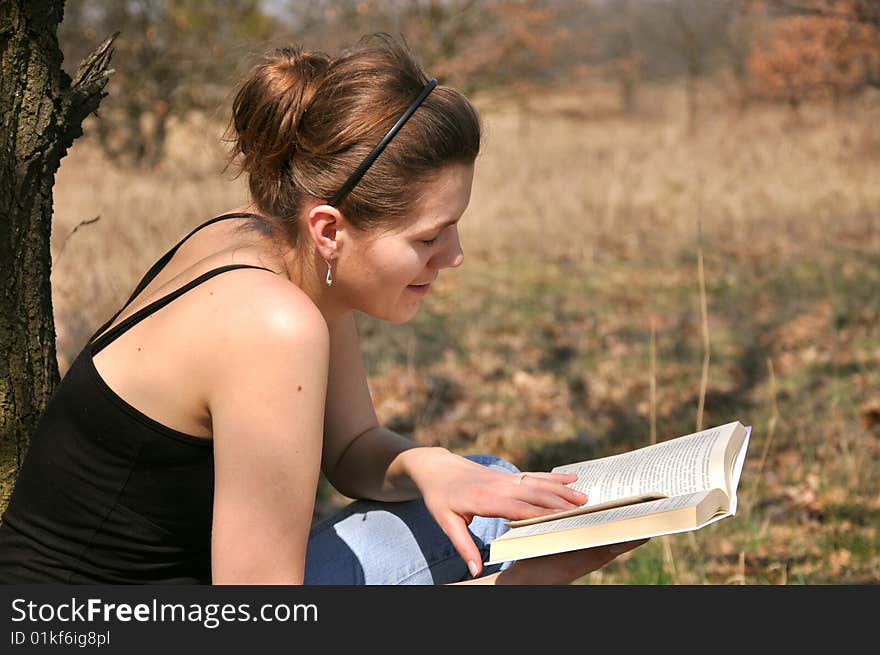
point(41, 115)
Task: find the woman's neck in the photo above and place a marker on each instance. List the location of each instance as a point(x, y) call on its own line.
point(304, 269)
point(308, 272)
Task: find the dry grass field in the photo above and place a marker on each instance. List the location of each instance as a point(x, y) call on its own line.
point(577, 328)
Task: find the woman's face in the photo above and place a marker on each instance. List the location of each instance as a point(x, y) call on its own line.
point(385, 273)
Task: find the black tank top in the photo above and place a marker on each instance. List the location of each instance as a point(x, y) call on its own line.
point(107, 495)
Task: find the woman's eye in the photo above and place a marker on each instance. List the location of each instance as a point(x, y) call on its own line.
point(429, 242)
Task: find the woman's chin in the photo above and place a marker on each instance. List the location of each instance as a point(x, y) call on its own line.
point(402, 310)
point(402, 314)
point(404, 317)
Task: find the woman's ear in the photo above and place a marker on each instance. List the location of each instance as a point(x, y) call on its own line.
point(324, 223)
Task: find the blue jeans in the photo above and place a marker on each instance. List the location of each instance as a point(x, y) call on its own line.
point(378, 543)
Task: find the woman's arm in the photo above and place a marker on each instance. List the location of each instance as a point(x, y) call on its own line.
point(267, 408)
point(361, 459)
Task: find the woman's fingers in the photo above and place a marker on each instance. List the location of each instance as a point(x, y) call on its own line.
point(543, 498)
point(548, 492)
point(456, 529)
point(564, 478)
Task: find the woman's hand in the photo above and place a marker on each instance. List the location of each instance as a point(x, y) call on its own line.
point(563, 568)
point(455, 490)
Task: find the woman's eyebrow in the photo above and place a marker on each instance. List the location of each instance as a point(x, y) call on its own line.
point(446, 223)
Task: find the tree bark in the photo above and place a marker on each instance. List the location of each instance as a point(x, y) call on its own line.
point(41, 114)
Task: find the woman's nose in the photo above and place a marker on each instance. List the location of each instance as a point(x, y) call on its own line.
point(453, 255)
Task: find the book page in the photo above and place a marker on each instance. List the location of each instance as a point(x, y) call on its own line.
point(607, 516)
point(586, 509)
point(675, 467)
point(738, 462)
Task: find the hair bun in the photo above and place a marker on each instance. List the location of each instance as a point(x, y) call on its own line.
point(269, 107)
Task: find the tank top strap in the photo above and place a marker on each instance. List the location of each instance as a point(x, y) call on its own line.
point(97, 345)
point(156, 268)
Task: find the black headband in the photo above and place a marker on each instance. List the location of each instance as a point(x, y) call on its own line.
point(360, 170)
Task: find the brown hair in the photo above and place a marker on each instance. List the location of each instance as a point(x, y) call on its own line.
point(302, 122)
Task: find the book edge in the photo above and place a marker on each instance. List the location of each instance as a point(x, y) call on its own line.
point(724, 513)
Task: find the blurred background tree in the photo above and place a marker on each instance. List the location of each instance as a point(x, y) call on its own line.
point(179, 56)
point(174, 56)
point(816, 50)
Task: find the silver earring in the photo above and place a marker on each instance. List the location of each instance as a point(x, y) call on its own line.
point(329, 278)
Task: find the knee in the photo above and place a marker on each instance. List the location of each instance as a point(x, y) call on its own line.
point(493, 461)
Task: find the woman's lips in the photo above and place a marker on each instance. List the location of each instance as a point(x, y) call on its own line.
point(420, 289)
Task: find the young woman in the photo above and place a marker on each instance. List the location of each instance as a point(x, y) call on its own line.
point(184, 443)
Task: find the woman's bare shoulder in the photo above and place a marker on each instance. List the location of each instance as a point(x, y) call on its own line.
point(259, 326)
point(263, 304)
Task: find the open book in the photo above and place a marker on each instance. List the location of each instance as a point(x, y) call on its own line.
point(676, 485)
